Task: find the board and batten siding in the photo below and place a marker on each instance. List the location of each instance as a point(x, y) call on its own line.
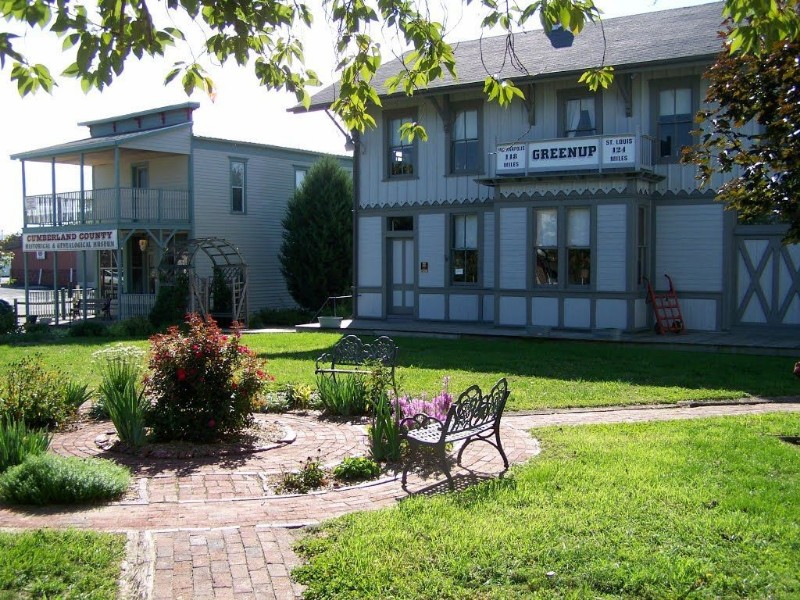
point(431, 183)
point(488, 250)
point(611, 244)
point(689, 247)
point(370, 252)
point(513, 248)
point(431, 245)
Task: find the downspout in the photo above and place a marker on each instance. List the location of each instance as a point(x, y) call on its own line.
point(25, 254)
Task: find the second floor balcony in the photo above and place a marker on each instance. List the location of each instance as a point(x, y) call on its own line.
point(108, 206)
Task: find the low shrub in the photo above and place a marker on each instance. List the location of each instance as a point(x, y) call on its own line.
point(271, 402)
point(309, 477)
point(32, 394)
point(135, 328)
point(300, 396)
point(8, 318)
point(344, 395)
point(75, 394)
point(88, 328)
point(356, 468)
point(17, 442)
point(51, 479)
point(203, 384)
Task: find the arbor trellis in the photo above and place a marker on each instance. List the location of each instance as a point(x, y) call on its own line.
point(227, 265)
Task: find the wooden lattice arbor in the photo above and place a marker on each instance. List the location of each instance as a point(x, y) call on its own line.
point(221, 290)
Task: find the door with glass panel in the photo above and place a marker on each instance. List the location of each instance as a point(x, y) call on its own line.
point(401, 275)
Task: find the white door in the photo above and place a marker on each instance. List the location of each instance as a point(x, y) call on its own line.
point(401, 276)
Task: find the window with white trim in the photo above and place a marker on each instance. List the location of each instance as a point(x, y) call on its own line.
point(401, 151)
point(464, 253)
point(465, 142)
point(675, 110)
point(579, 251)
point(580, 117)
point(546, 247)
point(238, 185)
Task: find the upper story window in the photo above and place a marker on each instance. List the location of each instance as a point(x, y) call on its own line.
point(579, 113)
point(674, 121)
point(299, 176)
point(401, 152)
point(238, 185)
point(464, 255)
point(465, 150)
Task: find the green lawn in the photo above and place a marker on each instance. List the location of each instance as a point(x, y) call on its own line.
point(60, 564)
point(541, 373)
point(693, 509)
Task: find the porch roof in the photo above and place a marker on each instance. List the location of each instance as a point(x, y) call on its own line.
point(70, 152)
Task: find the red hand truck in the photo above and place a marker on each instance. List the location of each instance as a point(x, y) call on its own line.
point(667, 309)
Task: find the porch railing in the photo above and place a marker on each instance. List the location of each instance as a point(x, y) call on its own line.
point(99, 207)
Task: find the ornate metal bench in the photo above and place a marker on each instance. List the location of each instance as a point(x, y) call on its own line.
point(474, 416)
point(350, 355)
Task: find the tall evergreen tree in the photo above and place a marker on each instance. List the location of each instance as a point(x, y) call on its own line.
point(317, 250)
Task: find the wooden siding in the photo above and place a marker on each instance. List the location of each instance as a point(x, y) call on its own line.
point(463, 307)
point(578, 313)
point(431, 241)
point(165, 172)
point(176, 141)
point(513, 248)
point(611, 314)
point(258, 232)
point(488, 250)
point(512, 311)
point(689, 247)
point(431, 307)
point(370, 252)
point(699, 314)
point(611, 243)
point(544, 312)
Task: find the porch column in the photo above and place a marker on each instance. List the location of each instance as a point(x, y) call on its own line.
point(53, 186)
point(117, 182)
point(56, 299)
point(25, 254)
point(83, 192)
point(119, 278)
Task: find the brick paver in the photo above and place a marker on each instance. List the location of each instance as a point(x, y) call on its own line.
point(209, 527)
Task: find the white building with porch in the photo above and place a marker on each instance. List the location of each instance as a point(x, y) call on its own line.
point(153, 186)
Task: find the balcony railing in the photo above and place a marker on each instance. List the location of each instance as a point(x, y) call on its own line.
point(595, 154)
point(100, 207)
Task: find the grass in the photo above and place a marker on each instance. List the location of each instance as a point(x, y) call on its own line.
point(60, 564)
point(698, 509)
point(541, 373)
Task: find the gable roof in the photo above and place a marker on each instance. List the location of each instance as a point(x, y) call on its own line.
point(669, 36)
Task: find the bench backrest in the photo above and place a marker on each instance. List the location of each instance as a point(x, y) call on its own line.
point(474, 410)
point(350, 350)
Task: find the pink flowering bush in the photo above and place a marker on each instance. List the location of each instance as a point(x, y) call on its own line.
point(202, 384)
point(436, 407)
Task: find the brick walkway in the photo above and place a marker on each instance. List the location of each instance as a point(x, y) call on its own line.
point(209, 527)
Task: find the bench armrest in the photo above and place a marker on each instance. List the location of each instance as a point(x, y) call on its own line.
point(324, 359)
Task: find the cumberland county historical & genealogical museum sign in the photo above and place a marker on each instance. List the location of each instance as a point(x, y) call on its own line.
point(61, 241)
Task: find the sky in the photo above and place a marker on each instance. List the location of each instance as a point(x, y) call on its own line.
point(242, 110)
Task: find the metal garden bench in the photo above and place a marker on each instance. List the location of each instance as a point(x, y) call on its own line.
point(474, 416)
point(351, 356)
